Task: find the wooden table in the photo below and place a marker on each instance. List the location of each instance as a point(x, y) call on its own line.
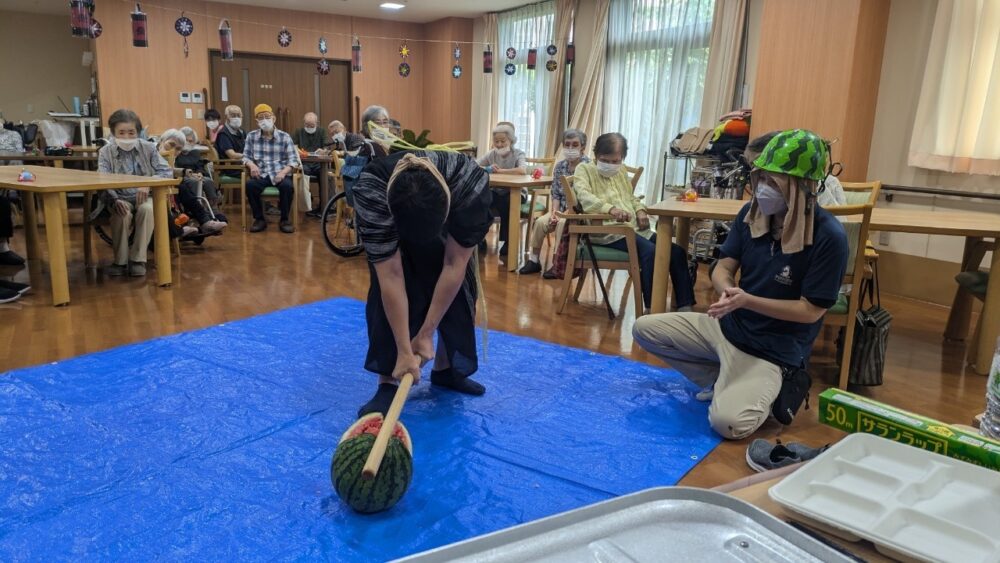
point(757, 496)
point(52, 183)
point(89, 157)
point(972, 225)
point(514, 183)
point(324, 162)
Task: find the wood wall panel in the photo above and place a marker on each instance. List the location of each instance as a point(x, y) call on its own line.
point(149, 80)
point(447, 100)
point(818, 68)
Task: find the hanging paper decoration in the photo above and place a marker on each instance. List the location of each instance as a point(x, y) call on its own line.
point(139, 27)
point(323, 67)
point(404, 51)
point(551, 65)
point(184, 26)
point(456, 71)
point(511, 53)
point(488, 60)
point(284, 37)
point(322, 46)
point(551, 50)
point(570, 54)
point(96, 29)
point(80, 16)
point(457, 52)
point(226, 40)
point(509, 69)
point(532, 58)
point(356, 55)
point(404, 69)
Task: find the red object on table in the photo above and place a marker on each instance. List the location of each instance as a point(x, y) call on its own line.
point(537, 173)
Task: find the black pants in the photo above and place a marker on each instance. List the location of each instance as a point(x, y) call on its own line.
point(6, 219)
point(312, 169)
point(679, 274)
point(255, 187)
point(191, 204)
point(422, 266)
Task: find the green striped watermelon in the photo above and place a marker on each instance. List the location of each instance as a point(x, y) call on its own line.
point(393, 477)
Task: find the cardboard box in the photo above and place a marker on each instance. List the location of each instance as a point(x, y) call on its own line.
point(854, 413)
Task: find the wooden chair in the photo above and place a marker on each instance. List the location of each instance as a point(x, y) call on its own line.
point(546, 164)
point(607, 258)
point(634, 175)
point(844, 312)
point(272, 193)
point(863, 193)
point(972, 281)
point(231, 186)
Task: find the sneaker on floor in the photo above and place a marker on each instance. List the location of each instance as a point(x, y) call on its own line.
point(286, 227)
point(21, 288)
point(11, 258)
point(706, 394)
point(187, 231)
point(530, 267)
point(137, 269)
point(258, 226)
point(118, 270)
point(764, 456)
point(212, 227)
point(8, 295)
point(805, 452)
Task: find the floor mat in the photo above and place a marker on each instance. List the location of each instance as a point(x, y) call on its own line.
point(216, 444)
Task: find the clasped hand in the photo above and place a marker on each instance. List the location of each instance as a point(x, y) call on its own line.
point(732, 298)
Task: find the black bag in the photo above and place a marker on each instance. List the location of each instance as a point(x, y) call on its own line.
point(795, 384)
point(871, 336)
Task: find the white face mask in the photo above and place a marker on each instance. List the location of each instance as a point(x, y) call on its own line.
point(608, 170)
point(126, 144)
point(504, 151)
point(235, 122)
point(188, 147)
point(265, 124)
point(380, 135)
point(572, 154)
point(212, 124)
point(769, 200)
point(353, 153)
point(310, 130)
point(339, 138)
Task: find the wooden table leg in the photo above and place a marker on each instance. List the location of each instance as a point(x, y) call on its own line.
point(161, 235)
point(661, 264)
point(961, 306)
point(88, 247)
point(30, 225)
point(991, 316)
point(63, 204)
point(57, 249)
point(514, 230)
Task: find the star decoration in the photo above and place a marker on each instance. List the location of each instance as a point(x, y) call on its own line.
point(456, 71)
point(404, 70)
point(509, 69)
point(96, 29)
point(184, 26)
point(457, 53)
point(404, 51)
point(284, 37)
point(322, 45)
point(551, 66)
point(511, 52)
point(323, 67)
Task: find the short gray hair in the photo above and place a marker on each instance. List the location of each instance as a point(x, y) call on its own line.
point(370, 114)
point(189, 132)
point(171, 135)
point(572, 133)
point(507, 129)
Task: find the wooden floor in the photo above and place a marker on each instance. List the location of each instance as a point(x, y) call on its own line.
point(239, 275)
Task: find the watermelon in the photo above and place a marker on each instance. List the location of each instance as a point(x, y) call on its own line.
point(393, 477)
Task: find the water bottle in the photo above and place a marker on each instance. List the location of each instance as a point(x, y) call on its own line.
point(990, 425)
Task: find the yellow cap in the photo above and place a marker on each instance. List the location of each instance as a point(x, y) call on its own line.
point(261, 108)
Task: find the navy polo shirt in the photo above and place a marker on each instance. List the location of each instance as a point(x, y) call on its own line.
point(816, 273)
point(226, 141)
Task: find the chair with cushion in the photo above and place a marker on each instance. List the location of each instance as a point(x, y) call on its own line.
point(271, 192)
point(607, 258)
point(232, 186)
point(974, 282)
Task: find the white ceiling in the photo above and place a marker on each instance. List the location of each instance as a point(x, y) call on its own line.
point(415, 10)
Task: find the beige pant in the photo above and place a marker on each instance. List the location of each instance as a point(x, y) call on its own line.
point(122, 225)
point(693, 344)
point(541, 228)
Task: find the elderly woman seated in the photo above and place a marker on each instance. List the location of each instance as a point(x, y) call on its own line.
point(603, 187)
point(196, 192)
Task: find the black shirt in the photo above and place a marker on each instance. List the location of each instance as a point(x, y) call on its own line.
point(227, 140)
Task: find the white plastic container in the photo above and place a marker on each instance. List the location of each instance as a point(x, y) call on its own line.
point(911, 503)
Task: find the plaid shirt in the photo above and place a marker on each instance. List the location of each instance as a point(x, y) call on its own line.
point(562, 169)
point(270, 155)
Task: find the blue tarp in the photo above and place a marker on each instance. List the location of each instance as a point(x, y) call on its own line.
point(216, 444)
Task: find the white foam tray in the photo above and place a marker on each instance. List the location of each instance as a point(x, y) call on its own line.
point(911, 503)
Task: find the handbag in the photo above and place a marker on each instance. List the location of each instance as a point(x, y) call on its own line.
point(871, 336)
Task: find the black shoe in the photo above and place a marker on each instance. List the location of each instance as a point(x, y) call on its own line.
point(270, 209)
point(314, 214)
point(381, 401)
point(11, 258)
point(530, 267)
point(8, 295)
point(451, 380)
point(550, 274)
point(258, 226)
point(20, 288)
point(286, 227)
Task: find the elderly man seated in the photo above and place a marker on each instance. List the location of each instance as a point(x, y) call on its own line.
point(270, 157)
point(312, 139)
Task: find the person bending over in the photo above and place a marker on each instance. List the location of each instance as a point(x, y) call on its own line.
point(420, 215)
point(791, 256)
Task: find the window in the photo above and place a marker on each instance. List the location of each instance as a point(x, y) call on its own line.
point(522, 99)
point(657, 57)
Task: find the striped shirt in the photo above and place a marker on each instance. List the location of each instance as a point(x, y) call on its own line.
point(270, 155)
point(468, 219)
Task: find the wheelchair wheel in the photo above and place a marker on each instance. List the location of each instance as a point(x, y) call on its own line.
point(339, 230)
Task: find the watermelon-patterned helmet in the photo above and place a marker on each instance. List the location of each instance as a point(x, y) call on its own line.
point(796, 152)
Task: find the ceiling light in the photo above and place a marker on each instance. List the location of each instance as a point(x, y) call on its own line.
point(391, 6)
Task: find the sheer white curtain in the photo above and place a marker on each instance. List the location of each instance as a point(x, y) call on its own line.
point(956, 123)
point(657, 57)
point(523, 96)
